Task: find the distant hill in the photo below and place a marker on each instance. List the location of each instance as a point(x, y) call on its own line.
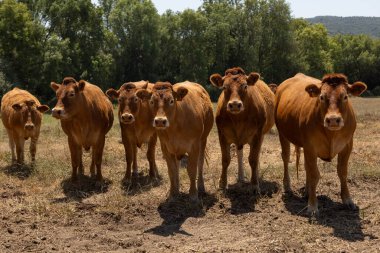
point(349, 25)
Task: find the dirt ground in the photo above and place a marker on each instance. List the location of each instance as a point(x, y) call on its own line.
point(42, 211)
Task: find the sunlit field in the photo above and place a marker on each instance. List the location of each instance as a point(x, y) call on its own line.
point(43, 211)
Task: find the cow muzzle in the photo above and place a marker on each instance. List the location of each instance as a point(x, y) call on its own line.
point(160, 122)
point(235, 106)
point(127, 118)
point(58, 113)
point(333, 122)
point(29, 127)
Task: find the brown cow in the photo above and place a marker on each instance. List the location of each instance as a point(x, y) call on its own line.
point(86, 116)
point(21, 113)
point(319, 117)
point(135, 119)
point(244, 114)
point(183, 120)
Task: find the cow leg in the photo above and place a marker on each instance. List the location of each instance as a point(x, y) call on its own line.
point(312, 178)
point(80, 161)
point(12, 145)
point(151, 156)
point(76, 156)
point(33, 148)
point(254, 155)
point(98, 157)
point(201, 159)
point(192, 171)
point(172, 163)
point(285, 154)
point(342, 173)
point(241, 174)
point(20, 142)
point(226, 159)
point(135, 172)
point(129, 158)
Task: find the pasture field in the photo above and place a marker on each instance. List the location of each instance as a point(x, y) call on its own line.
point(42, 211)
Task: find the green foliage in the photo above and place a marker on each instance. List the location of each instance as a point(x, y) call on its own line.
point(349, 25)
point(109, 42)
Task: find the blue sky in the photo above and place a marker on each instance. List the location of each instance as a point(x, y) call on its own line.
point(300, 8)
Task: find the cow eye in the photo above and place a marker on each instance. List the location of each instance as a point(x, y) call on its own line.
point(151, 102)
point(136, 99)
point(71, 94)
point(171, 101)
point(322, 98)
point(245, 87)
point(345, 97)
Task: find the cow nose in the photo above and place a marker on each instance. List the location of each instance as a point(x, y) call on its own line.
point(56, 112)
point(29, 126)
point(127, 117)
point(161, 122)
point(334, 121)
point(235, 105)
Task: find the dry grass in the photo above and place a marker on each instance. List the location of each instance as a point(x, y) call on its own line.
point(41, 210)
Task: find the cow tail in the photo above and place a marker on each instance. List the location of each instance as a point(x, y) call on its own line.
point(207, 157)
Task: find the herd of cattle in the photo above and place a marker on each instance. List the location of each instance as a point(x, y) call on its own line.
point(313, 114)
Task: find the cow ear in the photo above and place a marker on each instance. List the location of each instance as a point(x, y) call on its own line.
point(54, 86)
point(112, 93)
point(357, 88)
point(145, 85)
point(144, 94)
point(81, 85)
point(253, 78)
point(216, 80)
point(313, 90)
point(17, 107)
point(43, 108)
point(180, 93)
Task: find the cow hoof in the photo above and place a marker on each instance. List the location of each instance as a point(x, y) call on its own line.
point(241, 182)
point(255, 189)
point(194, 199)
point(126, 181)
point(350, 204)
point(312, 211)
point(222, 185)
point(135, 174)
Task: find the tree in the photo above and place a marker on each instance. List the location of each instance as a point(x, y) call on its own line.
point(355, 55)
point(313, 48)
point(21, 51)
point(135, 24)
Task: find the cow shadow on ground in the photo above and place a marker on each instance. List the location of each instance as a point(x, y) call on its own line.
point(21, 171)
point(244, 200)
point(82, 189)
point(345, 223)
point(140, 184)
point(174, 213)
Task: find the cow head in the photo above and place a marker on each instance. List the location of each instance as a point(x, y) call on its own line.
point(235, 85)
point(273, 87)
point(163, 102)
point(29, 113)
point(332, 96)
point(129, 102)
point(69, 96)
